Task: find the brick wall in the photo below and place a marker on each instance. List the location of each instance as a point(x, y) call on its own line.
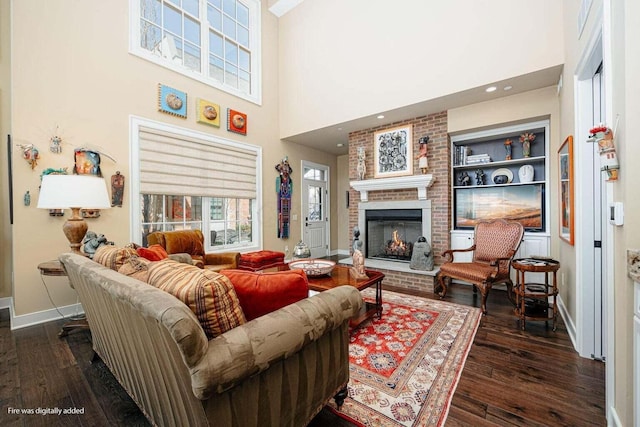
point(434, 126)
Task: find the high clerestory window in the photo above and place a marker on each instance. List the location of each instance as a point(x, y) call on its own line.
point(214, 41)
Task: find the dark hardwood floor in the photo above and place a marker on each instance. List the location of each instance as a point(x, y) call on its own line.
point(511, 377)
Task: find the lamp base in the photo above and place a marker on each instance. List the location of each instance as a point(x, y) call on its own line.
point(75, 228)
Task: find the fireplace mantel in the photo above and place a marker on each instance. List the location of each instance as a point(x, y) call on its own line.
point(420, 182)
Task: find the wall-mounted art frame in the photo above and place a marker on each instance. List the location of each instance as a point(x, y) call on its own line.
point(172, 101)
point(236, 121)
point(208, 112)
point(393, 152)
point(567, 215)
point(521, 203)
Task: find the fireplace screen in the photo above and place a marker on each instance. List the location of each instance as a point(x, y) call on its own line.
point(391, 233)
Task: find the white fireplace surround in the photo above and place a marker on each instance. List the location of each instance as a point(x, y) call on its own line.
point(419, 182)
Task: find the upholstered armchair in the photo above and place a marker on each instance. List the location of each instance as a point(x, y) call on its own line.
point(192, 242)
point(495, 244)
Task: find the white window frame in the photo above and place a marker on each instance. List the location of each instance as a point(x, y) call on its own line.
point(136, 221)
point(254, 39)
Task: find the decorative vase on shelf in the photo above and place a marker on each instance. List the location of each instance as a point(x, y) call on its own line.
point(525, 174)
point(526, 139)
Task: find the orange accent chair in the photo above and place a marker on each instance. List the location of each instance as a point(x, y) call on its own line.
point(495, 244)
point(192, 243)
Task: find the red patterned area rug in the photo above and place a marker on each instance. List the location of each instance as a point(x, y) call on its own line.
point(404, 368)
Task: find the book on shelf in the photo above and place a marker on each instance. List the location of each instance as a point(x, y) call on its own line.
point(460, 155)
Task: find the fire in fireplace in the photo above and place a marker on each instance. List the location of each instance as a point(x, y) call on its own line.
point(391, 233)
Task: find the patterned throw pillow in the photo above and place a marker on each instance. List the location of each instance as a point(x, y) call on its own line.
point(209, 295)
point(112, 256)
point(136, 267)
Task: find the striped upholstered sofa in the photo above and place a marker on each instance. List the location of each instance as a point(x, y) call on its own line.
point(276, 370)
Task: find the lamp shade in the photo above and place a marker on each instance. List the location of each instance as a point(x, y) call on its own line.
point(73, 191)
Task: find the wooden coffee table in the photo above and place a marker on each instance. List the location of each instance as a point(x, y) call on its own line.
point(340, 276)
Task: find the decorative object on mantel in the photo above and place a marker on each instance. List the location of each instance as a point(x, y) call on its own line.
point(27, 198)
point(464, 179)
point(357, 269)
point(361, 169)
point(526, 139)
point(31, 154)
point(284, 189)
point(422, 155)
point(507, 147)
point(393, 149)
point(117, 189)
point(422, 255)
point(236, 121)
point(603, 136)
point(73, 192)
point(525, 174)
point(172, 101)
point(479, 177)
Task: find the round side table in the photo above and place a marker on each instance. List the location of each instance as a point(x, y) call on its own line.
point(55, 268)
point(532, 299)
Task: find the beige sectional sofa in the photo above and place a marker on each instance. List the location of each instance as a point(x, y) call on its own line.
point(276, 370)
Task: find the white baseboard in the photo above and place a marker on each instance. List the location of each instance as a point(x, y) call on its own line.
point(24, 320)
point(614, 420)
point(340, 252)
point(6, 302)
point(571, 327)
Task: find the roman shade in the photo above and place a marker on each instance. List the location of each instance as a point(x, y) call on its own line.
point(176, 164)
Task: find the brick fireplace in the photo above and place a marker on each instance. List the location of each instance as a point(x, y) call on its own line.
point(429, 193)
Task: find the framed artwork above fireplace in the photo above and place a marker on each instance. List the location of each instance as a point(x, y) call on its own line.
point(393, 152)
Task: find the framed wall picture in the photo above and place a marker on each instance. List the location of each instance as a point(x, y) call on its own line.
point(565, 164)
point(393, 152)
point(236, 121)
point(208, 112)
point(172, 101)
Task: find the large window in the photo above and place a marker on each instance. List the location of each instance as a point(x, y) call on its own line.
point(215, 41)
point(186, 180)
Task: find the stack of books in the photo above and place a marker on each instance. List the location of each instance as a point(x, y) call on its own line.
point(478, 159)
point(460, 155)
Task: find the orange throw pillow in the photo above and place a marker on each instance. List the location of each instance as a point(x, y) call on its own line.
point(153, 253)
point(262, 293)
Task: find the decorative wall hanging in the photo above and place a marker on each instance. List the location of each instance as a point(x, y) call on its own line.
point(208, 112)
point(172, 101)
point(361, 169)
point(27, 198)
point(565, 161)
point(117, 189)
point(393, 152)
point(422, 154)
point(31, 154)
point(236, 121)
point(55, 143)
point(284, 189)
point(86, 162)
point(603, 136)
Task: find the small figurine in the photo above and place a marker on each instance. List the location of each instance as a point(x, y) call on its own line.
point(479, 177)
point(362, 167)
point(464, 179)
point(357, 271)
point(422, 154)
point(507, 147)
point(117, 189)
point(92, 241)
point(27, 198)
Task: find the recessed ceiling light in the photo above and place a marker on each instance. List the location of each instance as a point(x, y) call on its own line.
point(339, 128)
point(490, 89)
point(508, 87)
point(380, 116)
point(339, 144)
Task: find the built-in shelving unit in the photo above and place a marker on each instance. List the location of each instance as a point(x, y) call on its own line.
point(522, 197)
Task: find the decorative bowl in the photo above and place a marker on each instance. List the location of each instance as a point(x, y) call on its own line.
point(502, 172)
point(313, 267)
point(500, 179)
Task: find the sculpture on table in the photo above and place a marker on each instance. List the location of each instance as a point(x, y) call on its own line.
point(422, 255)
point(422, 154)
point(362, 167)
point(357, 271)
point(92, 241)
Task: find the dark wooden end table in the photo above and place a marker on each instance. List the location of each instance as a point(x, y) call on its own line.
point(532, 299)
point(340, 276)
point(55, 268)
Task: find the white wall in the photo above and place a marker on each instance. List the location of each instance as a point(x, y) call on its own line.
point(342, 60)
